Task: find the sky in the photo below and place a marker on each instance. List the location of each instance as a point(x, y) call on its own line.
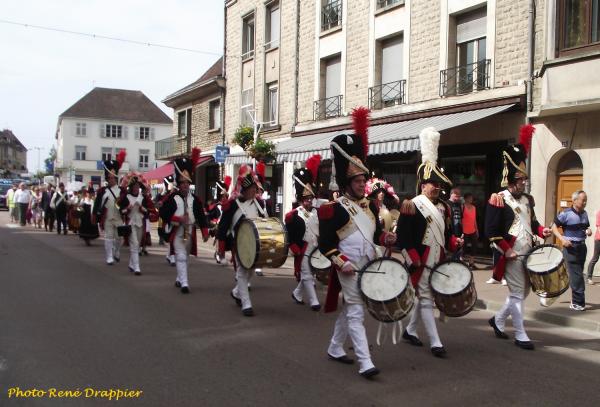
point(43, 73)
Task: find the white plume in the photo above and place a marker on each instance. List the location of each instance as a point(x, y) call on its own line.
point(430, 140)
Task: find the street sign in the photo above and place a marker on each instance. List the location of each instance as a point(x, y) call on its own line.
point(221, 153)
point(99, 165)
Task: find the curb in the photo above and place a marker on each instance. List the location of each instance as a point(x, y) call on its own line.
point(548, 317)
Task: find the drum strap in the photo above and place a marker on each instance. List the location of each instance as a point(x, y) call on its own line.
point(362, 221)
point(519, 213)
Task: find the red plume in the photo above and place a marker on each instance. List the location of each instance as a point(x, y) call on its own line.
point(525, 136)
point(360, 122)
point(196, 156)
point(312, 165)
point(260, 169)
point(227, 181)
point(121, 157)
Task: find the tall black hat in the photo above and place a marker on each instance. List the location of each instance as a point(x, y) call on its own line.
point(305, 178)
point(183, 168)
point(112, 167)
point(515, 157)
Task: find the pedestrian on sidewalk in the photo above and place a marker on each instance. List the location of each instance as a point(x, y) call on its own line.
point(590, 271)
point(469, 228)
point(36, 207)
point(456, 211)
point(22, 198)
point(576, 227)
point(12, 205)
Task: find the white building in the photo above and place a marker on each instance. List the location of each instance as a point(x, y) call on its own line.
point(102, 123)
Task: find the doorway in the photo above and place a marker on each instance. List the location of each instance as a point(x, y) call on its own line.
point(569, 179)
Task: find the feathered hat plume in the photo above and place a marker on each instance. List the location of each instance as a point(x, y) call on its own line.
point(525, 135)
point(360, 123)
point(312, 165)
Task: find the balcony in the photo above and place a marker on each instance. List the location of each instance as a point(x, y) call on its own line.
point(386, 95)
point(465, 79)
point(328, 108)
point(331, 15)
point(171, 147)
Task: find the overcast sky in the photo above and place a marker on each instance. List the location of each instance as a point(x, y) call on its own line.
point(42, 73)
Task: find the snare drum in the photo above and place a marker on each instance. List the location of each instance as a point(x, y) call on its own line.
point(453, 288)
point(261, 242)
point(320, 266)
point(547, 272)
point(385, 287)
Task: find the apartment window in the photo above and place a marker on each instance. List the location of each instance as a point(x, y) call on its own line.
point(330, 104)
point(331, 14)
point(578, 22)
point(214, 118)
point(78, 178)
point(80, 152)
point(113, 131)
point(388, 3)
point(272, 26)
point(184, 123)
point(143, 162)
point(143, 133)
point(107, 153)
point(248, 37)
point(247, 109)
point(80, 129)
point(272, 104)
point(389, 64)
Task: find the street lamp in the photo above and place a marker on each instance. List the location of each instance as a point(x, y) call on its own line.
point(38, 165)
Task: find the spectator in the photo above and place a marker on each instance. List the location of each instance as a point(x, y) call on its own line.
point(36, 207)
point(456, 211)
point(12, 205)
point(59, 204)
point(22, 198)
point(48, 211)
point(590, 272)
point(469, 228)
point(576, 226)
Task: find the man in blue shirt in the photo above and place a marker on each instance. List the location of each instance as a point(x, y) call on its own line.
point(576, 227)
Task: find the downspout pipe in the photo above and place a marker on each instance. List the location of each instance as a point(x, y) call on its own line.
point(297, 68)
point(530, 75)
point(223, 89)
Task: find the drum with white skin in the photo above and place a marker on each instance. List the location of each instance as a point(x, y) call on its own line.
point(547, 272)
point(453, 288)
point(320, 266)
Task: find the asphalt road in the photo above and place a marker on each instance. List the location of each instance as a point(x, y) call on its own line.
point(68, 321)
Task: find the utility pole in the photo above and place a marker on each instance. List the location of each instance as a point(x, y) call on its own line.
point(38, 164)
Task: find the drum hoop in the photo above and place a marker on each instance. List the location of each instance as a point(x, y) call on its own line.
point(310, 256)
point(471, 282)
point(257, 244)
point(544, 273)
point(360, 274)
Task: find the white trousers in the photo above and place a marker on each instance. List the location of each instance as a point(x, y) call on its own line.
point(350, 322)
point(243, 276)
point(134, 247)
point(423, 310)
point(182, 248)
point(307, 283)
point(112, 241)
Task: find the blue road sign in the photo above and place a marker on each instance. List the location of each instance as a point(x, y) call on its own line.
point(221, 153)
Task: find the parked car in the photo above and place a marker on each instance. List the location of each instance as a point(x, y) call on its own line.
point(3, 190)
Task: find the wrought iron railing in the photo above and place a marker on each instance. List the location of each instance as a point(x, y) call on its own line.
point(385, 3)
point(170, 147)
point(328, 108)
point(331, 14)
point(465, 79)
point(388, 94)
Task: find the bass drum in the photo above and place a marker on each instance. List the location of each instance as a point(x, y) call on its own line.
point(261, 242)
point(385, 287)
point(320, 266)
point(453, 288)
point(547, 272)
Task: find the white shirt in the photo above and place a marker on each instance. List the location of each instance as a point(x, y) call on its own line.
point(136, 217)
point(112, 212)
point(22, 196)
point(180, 211)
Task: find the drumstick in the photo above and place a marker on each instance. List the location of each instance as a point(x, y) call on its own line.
point(374, 272)
point(437, 271)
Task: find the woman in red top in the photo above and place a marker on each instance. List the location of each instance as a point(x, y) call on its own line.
point(590, 272)
point(469, 225)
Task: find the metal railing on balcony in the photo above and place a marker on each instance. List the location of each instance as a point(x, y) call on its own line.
point(170, 147)
point(331, 14)
point(328, 108)
point(385, 3)
point(465, 79)
point(388, 94)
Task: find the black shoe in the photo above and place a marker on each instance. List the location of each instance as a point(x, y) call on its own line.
point(145, 252)
point(185, 290)
point(367, 374)
point(236, 299)
point(138, 273)
point(316, 308)
point(438, 351)
point(296, 300)
point(177, 284)
point(117, 259)
point(131, 270)
point(527, 345)
point(248, 312)
point(65, 232)
point(342, 359)
point(413, 340)
point(110, 263)
point(497, 331)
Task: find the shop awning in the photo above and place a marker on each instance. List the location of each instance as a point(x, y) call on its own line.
point(399, 137)
point(156, 175)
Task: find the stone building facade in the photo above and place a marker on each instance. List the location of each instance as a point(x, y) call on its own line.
point(13, 155)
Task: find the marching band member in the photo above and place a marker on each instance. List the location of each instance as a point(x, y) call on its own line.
point(106, 211)
point(216, 211)
point(164, 217)
point(303, 229)
point(349, 230)
point(135, 205)
point(262, 196)
point(184, 212)
point(425, 234)
point(243, 204)
point(59, 205)
point(509, 225)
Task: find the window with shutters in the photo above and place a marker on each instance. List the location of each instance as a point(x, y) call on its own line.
point(144, 133)
point(80, 129)
point(113, 131)
point(80, 152)
point(577, 28)
point(143, 162)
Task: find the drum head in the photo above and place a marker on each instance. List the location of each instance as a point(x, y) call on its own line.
point(246, 243)
point(543, 259)
point(450, 277)
point(318, 261)
point(383, 279)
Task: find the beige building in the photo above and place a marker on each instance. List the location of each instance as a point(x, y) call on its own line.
point(197, 122)
point(13, 155)
point(566, 108)
point(459, 65)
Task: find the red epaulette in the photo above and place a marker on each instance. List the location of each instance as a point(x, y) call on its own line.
point(226, 205)
point(326, 211)
point(289, 216)
point(496, 200)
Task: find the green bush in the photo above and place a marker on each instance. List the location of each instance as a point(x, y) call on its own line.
point(244, 137)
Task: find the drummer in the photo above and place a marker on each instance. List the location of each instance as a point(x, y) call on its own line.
point(510, 225)
point(242, 204)
point(302, 226)
point(348, 230)
point(424, 234)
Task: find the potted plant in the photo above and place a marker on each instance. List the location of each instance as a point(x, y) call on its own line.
point(262, 150)
point(244, 137)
